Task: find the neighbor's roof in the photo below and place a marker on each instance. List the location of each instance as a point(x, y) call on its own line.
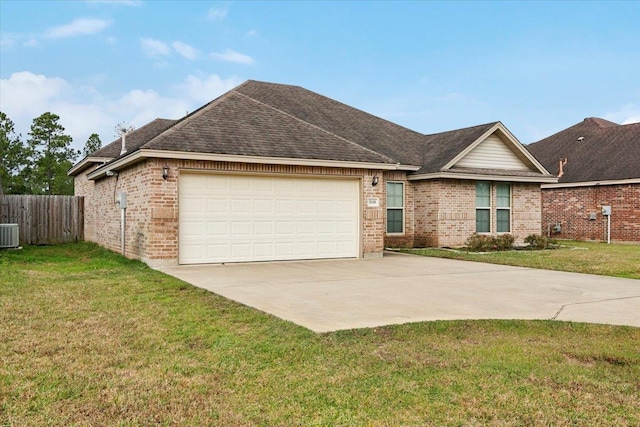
point(595, 149)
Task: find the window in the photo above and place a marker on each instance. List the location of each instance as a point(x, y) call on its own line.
point(503, 208)
point(483, 207)
point(395, 207)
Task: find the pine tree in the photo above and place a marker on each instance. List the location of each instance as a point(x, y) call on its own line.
point(52, 156)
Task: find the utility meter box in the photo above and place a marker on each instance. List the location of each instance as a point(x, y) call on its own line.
point(122, 200)
point(606, 210)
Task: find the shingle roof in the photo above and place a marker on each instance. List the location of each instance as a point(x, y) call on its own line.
point(236, 124)
point(134, 139)
point(283, 121)
point(595, 149)
point(394, 141)
point(440, 148)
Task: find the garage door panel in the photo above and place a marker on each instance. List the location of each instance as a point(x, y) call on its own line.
point(235, 218)
point(242, 206)
point(285, 206)
point(306, 227)
point(262, 228)
point(263, 206)
point(217, 205)
point(326, 227)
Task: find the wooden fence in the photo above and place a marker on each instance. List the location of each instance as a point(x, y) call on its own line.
point(44, 220)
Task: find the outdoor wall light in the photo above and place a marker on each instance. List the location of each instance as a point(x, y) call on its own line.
point(375, 181)
point(165, 172)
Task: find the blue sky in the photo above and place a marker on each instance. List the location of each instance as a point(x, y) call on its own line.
point(538, 67)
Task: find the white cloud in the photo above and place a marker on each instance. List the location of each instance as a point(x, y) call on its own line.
point(153, 47)
point(627, 114)
point(252, 33)
point(233, 56)
point(77, 27)
point(205, 89)
point(83, 109)
point(185, 50)
point(217, 13)
point(25, 93)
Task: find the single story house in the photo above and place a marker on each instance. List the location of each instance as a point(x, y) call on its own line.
point(598, 163)
point(276, 172)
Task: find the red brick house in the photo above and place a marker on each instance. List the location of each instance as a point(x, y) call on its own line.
point(276, 172)
point(599, 165)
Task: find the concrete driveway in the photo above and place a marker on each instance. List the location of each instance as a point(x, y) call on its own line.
point(329, 295)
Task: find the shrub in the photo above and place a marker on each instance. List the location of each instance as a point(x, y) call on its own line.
point(484, 243)
point(504, 242)
point(536, 241)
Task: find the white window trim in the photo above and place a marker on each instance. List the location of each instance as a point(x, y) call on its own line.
point(489, 208)
point(403, 208)
point(505, 209)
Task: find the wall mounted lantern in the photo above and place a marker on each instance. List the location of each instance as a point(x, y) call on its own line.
point(374, 182)
point(165, 172)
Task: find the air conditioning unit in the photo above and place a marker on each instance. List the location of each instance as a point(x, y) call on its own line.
point(9, 236)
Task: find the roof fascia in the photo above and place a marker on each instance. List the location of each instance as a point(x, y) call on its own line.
point(511, 140)
point(482, 177)
point(592, 183)
point(85, 163)
point(182, 155)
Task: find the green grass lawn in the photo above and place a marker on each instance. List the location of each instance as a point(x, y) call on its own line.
point(90, 338)
point(618, 260)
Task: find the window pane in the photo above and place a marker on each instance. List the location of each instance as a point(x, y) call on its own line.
point(394, 220)
point(483, 221)
point(504, 222)
point(483, 194)
point(394, 195)
point(503, 195)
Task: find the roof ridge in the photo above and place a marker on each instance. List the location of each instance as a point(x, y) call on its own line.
point(601, 123)
point(461, 129)
point(314, 126)
point(197, 111)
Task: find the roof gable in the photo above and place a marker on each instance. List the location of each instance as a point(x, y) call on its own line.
point(492, 153)
point(595, 149)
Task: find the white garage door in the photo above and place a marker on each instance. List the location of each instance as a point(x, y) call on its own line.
point(236, 218)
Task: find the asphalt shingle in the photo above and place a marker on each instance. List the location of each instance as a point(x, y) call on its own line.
point(595, 149)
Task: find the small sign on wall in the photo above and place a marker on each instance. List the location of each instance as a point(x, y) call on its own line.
point(373, 202)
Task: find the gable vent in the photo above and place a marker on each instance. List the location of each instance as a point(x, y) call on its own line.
point(9, 236)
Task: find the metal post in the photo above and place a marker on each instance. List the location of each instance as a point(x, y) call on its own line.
point(608, 229)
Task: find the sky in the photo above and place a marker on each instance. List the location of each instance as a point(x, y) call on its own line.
point(538, 67)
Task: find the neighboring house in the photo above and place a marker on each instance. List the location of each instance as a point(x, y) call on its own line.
point(276, 172)
point(599, 165)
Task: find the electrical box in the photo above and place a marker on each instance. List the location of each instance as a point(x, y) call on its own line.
point(606, 210)
point(122, 200)
point(593, 216)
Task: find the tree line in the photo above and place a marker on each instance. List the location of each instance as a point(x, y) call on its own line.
point(39, 165)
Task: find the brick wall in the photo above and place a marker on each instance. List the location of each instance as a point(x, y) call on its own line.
point(103, 216)
point(405, 239)
point(572, 209)
point(444, 212)
point(152, 212)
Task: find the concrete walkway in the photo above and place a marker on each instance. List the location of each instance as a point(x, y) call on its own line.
point(329, 295)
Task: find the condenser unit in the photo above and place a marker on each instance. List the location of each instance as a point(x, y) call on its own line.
point(9, 236)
